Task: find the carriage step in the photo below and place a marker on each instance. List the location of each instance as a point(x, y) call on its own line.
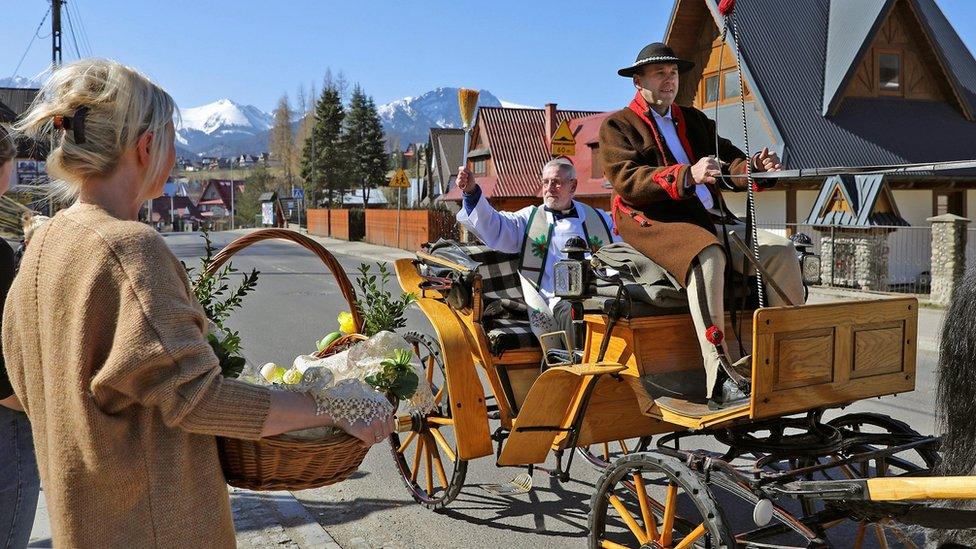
point(520, 484)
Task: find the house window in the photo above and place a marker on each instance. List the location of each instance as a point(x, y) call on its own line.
point(480, 166)
point(596, 171)
point(711, 89)
point(731, 88)
point(889, 72)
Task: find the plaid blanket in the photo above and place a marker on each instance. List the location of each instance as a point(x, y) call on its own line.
point(505, 316)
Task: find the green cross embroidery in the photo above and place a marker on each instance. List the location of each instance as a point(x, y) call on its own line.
point(595, 243)
point(540, 245)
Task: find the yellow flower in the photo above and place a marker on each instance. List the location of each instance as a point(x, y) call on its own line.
point(346, 323)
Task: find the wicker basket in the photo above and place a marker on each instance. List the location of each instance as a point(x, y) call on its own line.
point(279, 463)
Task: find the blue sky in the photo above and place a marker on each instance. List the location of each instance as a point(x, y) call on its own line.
point(529, 52)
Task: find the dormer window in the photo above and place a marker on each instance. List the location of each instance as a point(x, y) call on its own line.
point(889, 72)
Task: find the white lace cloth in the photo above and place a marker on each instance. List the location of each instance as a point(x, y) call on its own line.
point(338, 387)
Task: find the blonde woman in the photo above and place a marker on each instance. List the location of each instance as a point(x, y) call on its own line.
point(19, 484)
point(105, 344)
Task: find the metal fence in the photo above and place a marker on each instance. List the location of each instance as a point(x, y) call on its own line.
point(886, 259)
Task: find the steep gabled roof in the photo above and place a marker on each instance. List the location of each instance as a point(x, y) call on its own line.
point(951, 48)
point(786, 57)
point(851, 26)
point(519, 146)
point(865, 199)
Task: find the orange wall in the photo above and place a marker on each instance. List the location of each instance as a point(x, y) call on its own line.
point(417, 227)
point(318, 222)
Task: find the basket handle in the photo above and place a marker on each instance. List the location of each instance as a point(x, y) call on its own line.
point(319, 250)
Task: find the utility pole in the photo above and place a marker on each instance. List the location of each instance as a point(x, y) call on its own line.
point(56, 32)
point(55, 63)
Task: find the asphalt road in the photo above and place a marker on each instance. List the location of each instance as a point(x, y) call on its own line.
point(297, 302)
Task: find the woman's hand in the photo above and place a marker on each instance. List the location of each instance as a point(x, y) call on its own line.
point(369, 433)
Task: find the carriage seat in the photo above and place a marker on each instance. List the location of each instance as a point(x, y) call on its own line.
point(505, 316)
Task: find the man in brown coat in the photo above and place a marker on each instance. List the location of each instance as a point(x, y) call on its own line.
point(667, 201)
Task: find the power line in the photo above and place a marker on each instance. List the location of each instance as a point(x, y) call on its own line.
point(31, 43)
point(85, 42)
point(74, 35)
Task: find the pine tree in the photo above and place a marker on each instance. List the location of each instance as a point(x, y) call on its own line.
point(324, 155)
point(282, 138)
point(365, 143)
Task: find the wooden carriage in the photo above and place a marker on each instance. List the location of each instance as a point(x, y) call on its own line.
point(806, 359)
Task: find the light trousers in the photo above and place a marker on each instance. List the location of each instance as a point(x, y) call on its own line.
point(706, 286)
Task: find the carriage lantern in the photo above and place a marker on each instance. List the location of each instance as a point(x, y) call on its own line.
point(570, 276)
point(809, 261)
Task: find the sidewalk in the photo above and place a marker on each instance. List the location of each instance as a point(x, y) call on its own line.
point(261, 519)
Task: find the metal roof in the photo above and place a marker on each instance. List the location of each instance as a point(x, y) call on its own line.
point(954, 52)
point(861, 193)
point(786, 55)
point(519, 146)
point(851, 25)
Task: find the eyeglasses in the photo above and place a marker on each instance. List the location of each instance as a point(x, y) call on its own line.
point(556, 183)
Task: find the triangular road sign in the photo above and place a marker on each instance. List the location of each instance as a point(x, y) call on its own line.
point(563, 142)
point(400, 180)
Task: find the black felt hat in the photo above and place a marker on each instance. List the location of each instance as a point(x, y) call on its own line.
point(656, 53)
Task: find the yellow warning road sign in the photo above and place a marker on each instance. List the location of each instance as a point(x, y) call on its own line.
point(563, 142)
point(400, 180)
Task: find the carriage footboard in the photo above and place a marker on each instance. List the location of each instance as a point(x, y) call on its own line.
point(554, 406)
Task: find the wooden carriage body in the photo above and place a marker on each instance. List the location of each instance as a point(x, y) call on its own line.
point(805, 358)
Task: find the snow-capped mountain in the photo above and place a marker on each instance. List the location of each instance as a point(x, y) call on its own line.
point(410, 119)
point(223, 128)
point(226, 128)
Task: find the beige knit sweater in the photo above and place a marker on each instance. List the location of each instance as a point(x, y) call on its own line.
point(105, 347)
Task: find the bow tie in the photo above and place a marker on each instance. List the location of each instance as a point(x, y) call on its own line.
point(565, 214)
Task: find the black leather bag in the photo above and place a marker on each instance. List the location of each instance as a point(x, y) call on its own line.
point(455, 284)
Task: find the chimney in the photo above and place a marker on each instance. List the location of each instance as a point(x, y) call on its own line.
point(550, 112)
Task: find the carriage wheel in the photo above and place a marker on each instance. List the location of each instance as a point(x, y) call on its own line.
point(601, 455)
point(650, 500)
point(912, 462)
point(426, 456)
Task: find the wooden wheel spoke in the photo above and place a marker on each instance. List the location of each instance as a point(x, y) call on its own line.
point(692, 536)
point(623, 446)
point(428, 466)
point(879, 532)
point(650, 523)
point(859, 536)
point(431, 364)
point(439, 395)
point(607, 544)
point(628, 519)
point(606, 451)
point(670, 510)
point(435, 420)
point(443, 444)
point(441, 475)
point(406, 442)
point(416, 460)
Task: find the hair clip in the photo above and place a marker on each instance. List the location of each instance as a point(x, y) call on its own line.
point(75, 123)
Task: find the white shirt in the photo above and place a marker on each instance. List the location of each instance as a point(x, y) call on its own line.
point(504, 231)
point(670, 134)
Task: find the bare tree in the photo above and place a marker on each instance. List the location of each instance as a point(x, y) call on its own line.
point(282, 138)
